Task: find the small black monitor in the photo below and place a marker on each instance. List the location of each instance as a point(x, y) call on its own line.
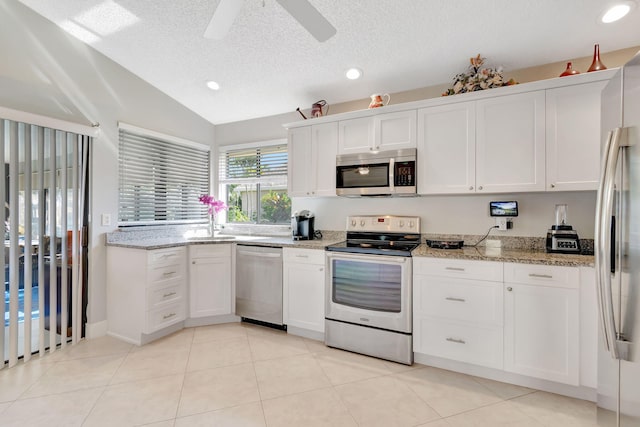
point(509, 209)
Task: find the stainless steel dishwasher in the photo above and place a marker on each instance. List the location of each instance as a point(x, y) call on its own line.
point(259, 283)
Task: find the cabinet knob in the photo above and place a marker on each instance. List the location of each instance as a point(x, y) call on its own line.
point(553, 186)
point(480, 188)
point(193, 262)
point(471, 187)
point(321, 269)
point(509, 288)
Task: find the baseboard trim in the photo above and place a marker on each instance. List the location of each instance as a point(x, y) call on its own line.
point(210, 320)
point(305, 333)
point(578, 392)
point(96, 330)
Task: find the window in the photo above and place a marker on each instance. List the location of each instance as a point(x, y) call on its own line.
point(253, 183)
point(161, 178)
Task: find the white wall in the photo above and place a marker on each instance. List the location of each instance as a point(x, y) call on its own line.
point(47, 72)
point(459, 214)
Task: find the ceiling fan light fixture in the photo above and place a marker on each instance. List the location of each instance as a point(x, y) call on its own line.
point(213, 85)
point(616, 12)
point(354, 73)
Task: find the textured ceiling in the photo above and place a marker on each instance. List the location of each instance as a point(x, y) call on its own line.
point(268, 64)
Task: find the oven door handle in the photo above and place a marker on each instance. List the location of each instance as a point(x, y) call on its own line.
point(365, 257)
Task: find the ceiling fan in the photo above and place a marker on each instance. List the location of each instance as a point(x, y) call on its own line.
point(303, 11)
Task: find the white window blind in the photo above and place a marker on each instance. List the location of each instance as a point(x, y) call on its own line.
point(161, 178)
point(266, 164)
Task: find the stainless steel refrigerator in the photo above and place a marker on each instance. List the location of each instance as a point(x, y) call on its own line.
point(617, 250)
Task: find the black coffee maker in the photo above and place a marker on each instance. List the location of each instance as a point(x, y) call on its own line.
point(302, 225)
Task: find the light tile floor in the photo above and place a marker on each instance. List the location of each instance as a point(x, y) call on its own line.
point(246, 375)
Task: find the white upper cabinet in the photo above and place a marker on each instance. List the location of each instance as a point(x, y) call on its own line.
point(312, 160)
point(510, 143)
point(573, 137)
point(446, 155)
point(494, 145)
point(382, 132)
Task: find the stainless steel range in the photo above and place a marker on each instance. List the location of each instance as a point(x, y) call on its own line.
point(369, 287)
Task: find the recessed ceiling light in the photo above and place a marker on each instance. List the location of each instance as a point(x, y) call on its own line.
point(353, 73)
point(616, 12)
point(213, 85)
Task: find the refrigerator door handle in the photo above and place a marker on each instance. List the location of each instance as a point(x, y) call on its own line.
point(604, 210)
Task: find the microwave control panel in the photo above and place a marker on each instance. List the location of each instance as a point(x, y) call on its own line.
point(405, 174)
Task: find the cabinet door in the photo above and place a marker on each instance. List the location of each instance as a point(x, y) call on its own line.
point(542, 332)
point(355, 135)
point(210, 286)
point(510, 133)
point(573, 137)
point(395, 131)
point(304, 296)
point(325, 149)
point(299, 147)
point(446, 149)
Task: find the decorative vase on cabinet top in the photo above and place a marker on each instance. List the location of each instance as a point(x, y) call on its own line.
point(596, 65)
point(569, 71)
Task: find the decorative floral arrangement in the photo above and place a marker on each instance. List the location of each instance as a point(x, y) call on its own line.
point(478, 78)
point(214, 205)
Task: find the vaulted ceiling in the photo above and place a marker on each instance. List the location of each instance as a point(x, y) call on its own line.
point(269, 64)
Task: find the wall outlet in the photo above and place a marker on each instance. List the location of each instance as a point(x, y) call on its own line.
point(105, 219)
point(501, 223)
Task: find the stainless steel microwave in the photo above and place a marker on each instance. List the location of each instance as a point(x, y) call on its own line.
point(386, 173)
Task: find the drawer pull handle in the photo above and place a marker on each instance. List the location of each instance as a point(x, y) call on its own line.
point(455, 299)
point(169, 273)
point(509, 288)
point(170, 294)
point(168, 316)
point(541, 276)
point(454, 268)
point(456, 340)
point(302, 256)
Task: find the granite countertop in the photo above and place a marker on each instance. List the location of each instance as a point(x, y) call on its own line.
point(169, 242)
point(523, 256)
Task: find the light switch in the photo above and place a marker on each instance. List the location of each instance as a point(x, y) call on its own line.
point(106, 219)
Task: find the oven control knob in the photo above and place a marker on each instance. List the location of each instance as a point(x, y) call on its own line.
point(401, 224)
point(353, 222)
point(411, 224)
point(362, 223)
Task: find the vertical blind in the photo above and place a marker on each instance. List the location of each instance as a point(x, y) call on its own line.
point(161, 178)
point(43, 192)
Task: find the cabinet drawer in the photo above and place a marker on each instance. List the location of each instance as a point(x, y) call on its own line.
point(165, 316)
point(166, 256)
point(205, 251)
point(478, 270)
point(304, 256)
point(546, 275)
point(460, 341)
point(157, 297)
point(160, 275)
point(455, 299)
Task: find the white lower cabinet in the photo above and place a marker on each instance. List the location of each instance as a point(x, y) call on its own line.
point(146, 292)
point(303, 289)
point(210, 285)
point(542, 322)
point(457, 310)
point(537, 321)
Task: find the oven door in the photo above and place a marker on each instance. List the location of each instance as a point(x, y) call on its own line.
point(370, 290)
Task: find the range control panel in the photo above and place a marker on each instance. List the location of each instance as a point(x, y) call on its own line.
point(384, 223)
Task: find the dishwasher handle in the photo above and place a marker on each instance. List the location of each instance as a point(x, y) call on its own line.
point(259, 254)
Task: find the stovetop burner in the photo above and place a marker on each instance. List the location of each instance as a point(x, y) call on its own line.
point(386, 235)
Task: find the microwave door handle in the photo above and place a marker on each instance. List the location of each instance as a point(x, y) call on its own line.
point(392, 167)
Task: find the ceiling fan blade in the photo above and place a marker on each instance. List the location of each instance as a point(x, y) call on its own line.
point(309, 17)
point(223, 18)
